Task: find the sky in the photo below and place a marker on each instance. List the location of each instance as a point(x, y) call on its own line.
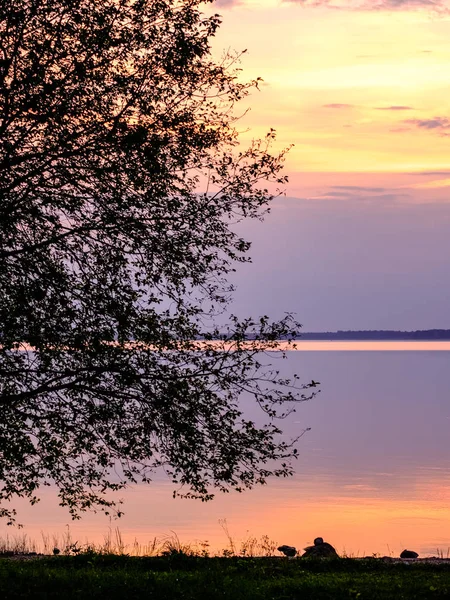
point(362, 89)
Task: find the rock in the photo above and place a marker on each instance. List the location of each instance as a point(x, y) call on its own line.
point(409, 554)
point(287, 550)
point(320, 549)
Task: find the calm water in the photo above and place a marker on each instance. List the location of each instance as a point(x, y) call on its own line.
point(373, 475)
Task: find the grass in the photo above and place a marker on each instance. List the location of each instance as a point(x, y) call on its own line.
point(113, 543)
point(165, 568)
point(178, 575)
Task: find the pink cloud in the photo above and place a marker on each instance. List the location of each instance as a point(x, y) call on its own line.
point(338, 106)
point(227, 3)
point(377, 5)
point(439, 125)
point(400, 129)
point(394, 108)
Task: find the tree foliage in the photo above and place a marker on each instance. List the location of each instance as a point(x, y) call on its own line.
point(121, 179)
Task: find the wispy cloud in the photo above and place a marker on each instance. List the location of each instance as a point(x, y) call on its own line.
point(358, 188)
point(362, 199)
point(439, 125)
point(378, 5)
point(433, 173)
point(432, 185)
point(227, 3)
point(333, 194)
point(338, 105)
point(360, 193)
point(394, 108)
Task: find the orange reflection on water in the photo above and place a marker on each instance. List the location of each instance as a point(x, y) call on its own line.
point(332, 345)
point(371, 345)
point(358, 518)
point(363, 525)
point(373, 475)
point(285, 346)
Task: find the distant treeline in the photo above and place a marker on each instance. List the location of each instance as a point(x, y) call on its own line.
point(425, 334)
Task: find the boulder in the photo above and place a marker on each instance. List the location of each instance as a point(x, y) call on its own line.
point(320, 549)
point(287, 550)
point(409, 554)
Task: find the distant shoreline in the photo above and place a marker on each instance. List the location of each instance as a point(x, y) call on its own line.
point(423, 335)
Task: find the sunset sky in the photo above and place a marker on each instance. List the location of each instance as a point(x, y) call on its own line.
point(362, 91)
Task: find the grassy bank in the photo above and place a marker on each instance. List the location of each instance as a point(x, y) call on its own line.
point(179, 576)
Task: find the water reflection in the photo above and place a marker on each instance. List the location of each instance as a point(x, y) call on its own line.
point(360, 517)
point(373, 475)
point(370, 346)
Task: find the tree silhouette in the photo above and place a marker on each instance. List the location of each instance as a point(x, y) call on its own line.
point(121, 178)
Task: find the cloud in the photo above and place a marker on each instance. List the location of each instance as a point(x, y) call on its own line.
point(359, 193)
point(227, 3)
point(440, 125)
point(394, 108)
point(337, 195)
point(436, 123)
point(411, 4)
point(441, 6)
point(361, 199)
point(399, 129)
point(358, 188)
point(337, 106)
point(432, 173)
point(432, 185)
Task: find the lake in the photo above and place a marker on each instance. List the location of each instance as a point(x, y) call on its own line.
point(373, 474)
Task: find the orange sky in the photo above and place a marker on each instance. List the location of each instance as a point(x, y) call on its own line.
point(355, 90)
point(361, 88)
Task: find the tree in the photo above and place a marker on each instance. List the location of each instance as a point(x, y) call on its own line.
point(121, 178)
